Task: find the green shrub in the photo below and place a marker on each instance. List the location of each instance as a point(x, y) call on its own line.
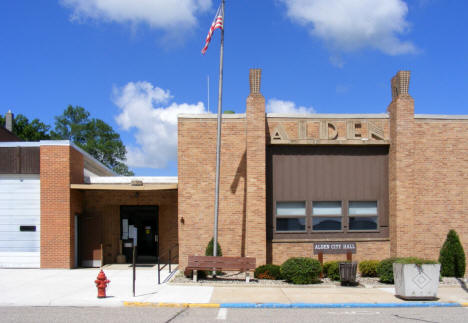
point(272, 272)
point(331, 269)
point(209, 252)
point(452, 257)
point(301, 270)
point(385, 270)
point(209, 249)
point(385, 267)
point(416, 261)
point(368, 268)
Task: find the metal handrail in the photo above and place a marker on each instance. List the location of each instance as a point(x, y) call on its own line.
point(169, 262)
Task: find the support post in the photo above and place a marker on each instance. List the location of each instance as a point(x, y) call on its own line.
point(170, 258)
point(159, 270)
point(349, 256)
point(134, 269)
point(320, 258)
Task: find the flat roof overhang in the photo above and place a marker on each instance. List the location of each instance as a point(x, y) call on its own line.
point(125, 187)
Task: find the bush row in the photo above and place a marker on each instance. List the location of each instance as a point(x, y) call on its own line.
point(301, 270)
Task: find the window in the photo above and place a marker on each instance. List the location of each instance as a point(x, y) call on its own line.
point(290, 216)
point(326, 216)
point(363, 216)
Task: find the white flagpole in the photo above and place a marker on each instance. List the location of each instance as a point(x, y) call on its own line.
point(218, 142)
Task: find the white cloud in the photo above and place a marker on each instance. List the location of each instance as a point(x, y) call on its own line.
point(280, 106)
point(167, 15)
point(148, 109)
point(349, 25)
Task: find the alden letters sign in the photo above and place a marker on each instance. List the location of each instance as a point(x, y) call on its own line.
point(334, 247)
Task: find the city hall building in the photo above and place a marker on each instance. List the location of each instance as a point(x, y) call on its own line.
point(389, 184)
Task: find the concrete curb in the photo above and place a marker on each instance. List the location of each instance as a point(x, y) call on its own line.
point(295, 305)
point(149, 304)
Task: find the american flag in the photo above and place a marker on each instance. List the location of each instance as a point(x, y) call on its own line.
point(218, 22)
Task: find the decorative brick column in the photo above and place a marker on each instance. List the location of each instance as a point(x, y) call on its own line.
point(256, 172)
point(401, 173)
point(61, 165)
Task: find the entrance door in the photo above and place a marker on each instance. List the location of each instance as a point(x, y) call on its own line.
point(145, 220)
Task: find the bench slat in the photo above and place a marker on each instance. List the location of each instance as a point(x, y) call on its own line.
point(220, 263)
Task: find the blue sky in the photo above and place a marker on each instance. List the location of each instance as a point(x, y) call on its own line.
point(136, 64)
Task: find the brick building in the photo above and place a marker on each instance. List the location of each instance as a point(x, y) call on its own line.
point(393, 183)
point(61, 208)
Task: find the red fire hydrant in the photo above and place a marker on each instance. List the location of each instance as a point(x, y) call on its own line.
point(101, 284)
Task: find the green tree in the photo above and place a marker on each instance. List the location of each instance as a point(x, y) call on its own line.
point(28, 131)
point(452, 256)
point(94, 136)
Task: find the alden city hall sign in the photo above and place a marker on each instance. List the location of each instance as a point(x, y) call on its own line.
point(334, 247)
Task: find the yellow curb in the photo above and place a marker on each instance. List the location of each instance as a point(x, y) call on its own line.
point(193, 305)
point(138, 304)
point(464, 304)
point(172, 305)
point(209, 305)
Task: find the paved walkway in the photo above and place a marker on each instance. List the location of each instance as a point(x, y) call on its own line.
point(43, 287)
point(76, 287)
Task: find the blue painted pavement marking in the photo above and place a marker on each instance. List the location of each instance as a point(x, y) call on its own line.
point(337, 305)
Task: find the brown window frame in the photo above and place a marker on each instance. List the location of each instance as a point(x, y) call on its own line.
point(291, 217)
point(312, 216)
point(363, 216)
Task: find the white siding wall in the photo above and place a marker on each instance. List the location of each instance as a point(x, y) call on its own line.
point(20, 205)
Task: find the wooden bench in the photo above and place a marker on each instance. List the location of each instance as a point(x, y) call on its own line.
point(242, 264)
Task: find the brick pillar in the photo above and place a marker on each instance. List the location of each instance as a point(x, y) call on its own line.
point(60, 166)
point(256, 172)
point(401, 174)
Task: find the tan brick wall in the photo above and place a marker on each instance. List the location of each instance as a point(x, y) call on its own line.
point(366, 250)
point(256, 178)
point(440, 168)
point(428, 181)
point(196, 188)
point(59, 165)
point(401, 176)
point(106, 206)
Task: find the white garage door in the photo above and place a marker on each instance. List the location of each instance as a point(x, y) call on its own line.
point(20, 216)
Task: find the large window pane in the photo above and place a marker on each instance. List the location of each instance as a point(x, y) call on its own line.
point(326, 223)
point(326, 208)
point(363, 223)
point(290, 224)
point(363, 208)
point(290, 208)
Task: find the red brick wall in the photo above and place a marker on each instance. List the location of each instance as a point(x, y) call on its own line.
point(105, 205)
point(59, 166)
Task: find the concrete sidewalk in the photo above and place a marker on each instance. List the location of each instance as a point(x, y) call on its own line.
point(36, 287)
point(76, 287)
